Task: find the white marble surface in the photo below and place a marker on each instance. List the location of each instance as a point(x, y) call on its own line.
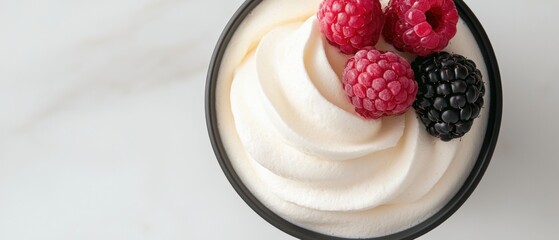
point(102, 129)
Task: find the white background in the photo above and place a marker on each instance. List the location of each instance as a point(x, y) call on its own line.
point(103, 136)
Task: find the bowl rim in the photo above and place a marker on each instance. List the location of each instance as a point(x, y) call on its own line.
point(473, 179)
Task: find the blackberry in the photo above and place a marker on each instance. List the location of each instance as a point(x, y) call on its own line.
point(450, 94)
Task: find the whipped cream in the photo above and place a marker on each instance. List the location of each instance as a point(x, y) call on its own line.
point(296, 142)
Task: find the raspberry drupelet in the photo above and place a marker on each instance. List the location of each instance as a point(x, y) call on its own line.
point(421, 27)
point(351, 24)
point(379, 84)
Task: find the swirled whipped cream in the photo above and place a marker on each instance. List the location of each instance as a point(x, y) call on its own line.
point(296, 142)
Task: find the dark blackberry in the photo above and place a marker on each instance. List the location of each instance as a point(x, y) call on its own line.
point(450, 94)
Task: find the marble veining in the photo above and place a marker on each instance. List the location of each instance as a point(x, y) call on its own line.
point(102, 130)
point(103, 136)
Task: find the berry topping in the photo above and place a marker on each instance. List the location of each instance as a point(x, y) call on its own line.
point(351, 24)
point(379, 84)
point(420, 26)
point(450, 94)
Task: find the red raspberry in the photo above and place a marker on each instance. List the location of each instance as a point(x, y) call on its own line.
point(379, 84)
point(420, 26)
point(351, 24)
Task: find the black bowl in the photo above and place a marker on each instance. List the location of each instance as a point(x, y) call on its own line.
point(482, 162)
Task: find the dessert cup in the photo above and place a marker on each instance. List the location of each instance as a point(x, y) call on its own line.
point(489, 139)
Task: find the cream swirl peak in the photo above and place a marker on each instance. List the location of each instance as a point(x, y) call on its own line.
point(330, 152)
point(297, 144)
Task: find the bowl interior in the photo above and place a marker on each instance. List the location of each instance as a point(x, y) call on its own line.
point(481, 164)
